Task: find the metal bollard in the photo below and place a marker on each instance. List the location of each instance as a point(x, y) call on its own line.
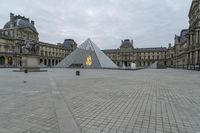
point(25, 71)
point(77, 73)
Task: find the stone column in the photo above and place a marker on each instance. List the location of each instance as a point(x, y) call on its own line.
point(198, 37)
point(193, 59)
point(188, 60)
point(199, 58)
point(191, 39)
point(188, 41)
point(6, 60)
point(14, 61)
point(50, 62)
point(19, 61)
point(196, 58)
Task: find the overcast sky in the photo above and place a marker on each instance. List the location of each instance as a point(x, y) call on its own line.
point(149, 23)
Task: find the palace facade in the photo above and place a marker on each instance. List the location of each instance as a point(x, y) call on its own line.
point(141, 57)
point(52, 54)
point(186, 50)
point(185, 53)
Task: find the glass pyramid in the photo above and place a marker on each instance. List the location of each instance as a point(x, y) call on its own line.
point(87, 55)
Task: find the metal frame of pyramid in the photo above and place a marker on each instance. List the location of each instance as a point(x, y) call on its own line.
point(87, 55)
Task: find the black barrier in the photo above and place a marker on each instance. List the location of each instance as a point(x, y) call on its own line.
point(77, 73)
point(25, 71)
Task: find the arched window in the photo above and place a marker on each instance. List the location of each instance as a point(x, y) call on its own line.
point(2, 60)
point(45, 61)
point(41, 61)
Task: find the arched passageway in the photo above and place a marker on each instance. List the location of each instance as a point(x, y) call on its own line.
point(45, 61)
point(2, 60)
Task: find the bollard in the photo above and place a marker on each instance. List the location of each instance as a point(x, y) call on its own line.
point(25, 71)
point(77, 73)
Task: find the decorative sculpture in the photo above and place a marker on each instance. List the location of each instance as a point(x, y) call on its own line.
point(30, 57)
point(30, 47)
point(88, 61)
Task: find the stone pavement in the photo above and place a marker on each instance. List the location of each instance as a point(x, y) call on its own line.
point(100, 101)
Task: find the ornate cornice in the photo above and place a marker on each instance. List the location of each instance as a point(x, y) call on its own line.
point(192, 7)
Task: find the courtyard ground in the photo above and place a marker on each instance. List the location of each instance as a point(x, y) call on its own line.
point(100, 101)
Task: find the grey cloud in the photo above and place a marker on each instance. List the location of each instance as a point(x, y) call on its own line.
point(107, 22)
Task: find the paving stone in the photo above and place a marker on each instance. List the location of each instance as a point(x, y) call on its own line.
point(110, 101)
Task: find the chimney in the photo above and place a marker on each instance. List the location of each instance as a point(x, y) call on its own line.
point(176, 39)
point(32, 22)
point(12, 20)
point(12, 17)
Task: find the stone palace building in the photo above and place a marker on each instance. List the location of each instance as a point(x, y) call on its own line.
point(185, 53)
point(19, 29)
point(186, 50)
point(141, 57)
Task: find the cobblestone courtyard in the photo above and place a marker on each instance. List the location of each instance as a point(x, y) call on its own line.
point(100, 101)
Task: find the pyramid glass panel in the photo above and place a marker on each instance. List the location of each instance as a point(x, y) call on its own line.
point(87, 55)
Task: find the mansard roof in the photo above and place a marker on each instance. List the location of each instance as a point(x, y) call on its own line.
point(109, 50)
point(20, 22)
point(183, 36)
point(154, 49)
